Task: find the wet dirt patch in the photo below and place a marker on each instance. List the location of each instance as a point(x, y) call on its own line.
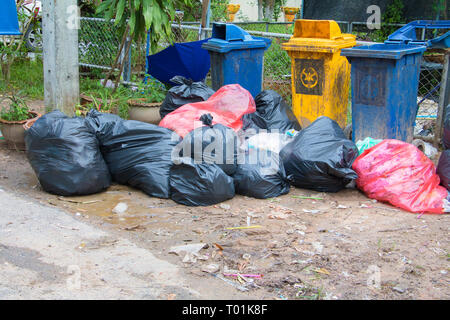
point(303, 245)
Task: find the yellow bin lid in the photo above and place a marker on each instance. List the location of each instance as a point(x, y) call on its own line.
point(318, 36)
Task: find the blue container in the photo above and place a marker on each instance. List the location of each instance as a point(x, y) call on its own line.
point(408, 34)
point(385, 80)
point(9, 23)
point(236, 57)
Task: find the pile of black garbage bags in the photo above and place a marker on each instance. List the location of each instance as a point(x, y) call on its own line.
point(80, 156)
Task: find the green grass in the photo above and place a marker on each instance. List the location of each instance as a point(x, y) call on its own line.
point(27, 80)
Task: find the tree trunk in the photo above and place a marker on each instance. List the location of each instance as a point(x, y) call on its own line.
point(269, 9)
point(260, 10)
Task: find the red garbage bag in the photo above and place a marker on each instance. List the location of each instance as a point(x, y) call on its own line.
point(227, 106)
point(399, 173)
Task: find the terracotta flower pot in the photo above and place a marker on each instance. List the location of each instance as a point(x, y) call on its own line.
point(143, 111)
point(289, 13)
point(14, 131)
point(232, 9)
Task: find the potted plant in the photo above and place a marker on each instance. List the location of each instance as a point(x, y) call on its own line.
point(232, 9)
point(289, 13)
point(146, 109)
point(14, 120)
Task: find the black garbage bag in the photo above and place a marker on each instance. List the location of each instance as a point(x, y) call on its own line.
point(101, 122)
point(209, 144)
point(443, 169)
point(199, 184)
point(320, 157)
point(261, 175)
point(138, 154)
point(185, 92)
point(272, 113)
point(446, 136)
point(64, 153)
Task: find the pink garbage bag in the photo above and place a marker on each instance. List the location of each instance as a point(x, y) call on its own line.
point(399, 173)
point(227, 106)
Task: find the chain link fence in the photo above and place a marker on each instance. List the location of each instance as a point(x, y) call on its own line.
point(100, 40)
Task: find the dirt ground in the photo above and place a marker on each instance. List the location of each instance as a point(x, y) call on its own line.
point(334, 246)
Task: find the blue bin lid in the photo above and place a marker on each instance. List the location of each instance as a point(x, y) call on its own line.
point(227, 37)
point(408, 34)
point(383, 51)
point(9, 23)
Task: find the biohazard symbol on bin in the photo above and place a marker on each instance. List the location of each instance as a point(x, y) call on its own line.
point(309, 76)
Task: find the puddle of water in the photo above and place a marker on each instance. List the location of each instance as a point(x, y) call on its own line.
point(142, 209)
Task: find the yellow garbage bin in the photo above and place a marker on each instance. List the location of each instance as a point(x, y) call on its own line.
point(320, 75)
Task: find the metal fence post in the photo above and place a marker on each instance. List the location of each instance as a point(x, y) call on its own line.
point(127, 62)
point(444, 98)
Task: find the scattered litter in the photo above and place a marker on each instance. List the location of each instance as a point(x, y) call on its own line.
point(311, 211)
point(189, 248)
point(399, 289)
point(133, 228)
point(120, 208)
point(246, 227)
point(237, 286)
point(243, 275)
point(246, 256)
point(426, 148)
point(76, 201)
point(211, 268)
point(341, 207)
point(323, 271)
point(304, 197)
point(225, 206)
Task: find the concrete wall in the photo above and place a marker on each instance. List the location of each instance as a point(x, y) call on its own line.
point(249, 9)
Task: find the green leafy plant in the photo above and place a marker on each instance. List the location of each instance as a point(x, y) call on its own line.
point(135, 18)
point(394, 14)
point(219, 10)
point(16, 111)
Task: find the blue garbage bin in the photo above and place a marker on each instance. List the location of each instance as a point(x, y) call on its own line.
point(385, 80)
point(236, 57)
